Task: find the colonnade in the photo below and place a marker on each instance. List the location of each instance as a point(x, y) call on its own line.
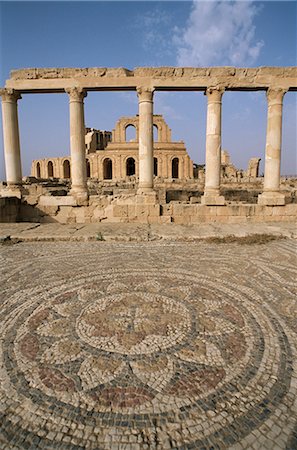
point(271, 193)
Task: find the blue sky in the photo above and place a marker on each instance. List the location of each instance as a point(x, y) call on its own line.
point(147, 33)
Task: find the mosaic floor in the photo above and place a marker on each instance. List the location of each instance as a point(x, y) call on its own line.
point(148, 346)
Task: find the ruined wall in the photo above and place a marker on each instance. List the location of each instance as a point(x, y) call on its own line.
point(118, 151)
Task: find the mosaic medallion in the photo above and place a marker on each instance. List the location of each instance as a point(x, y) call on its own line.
point(173, 358)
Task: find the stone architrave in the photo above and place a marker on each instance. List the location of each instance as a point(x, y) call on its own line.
point(11, 138)
point(271, 193)
point(77, 143)
point(213, 148)
point(146, 140)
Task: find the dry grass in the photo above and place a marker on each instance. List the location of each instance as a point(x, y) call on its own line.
point(244, 240)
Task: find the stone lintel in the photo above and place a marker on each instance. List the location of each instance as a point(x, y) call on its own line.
point(165, 78)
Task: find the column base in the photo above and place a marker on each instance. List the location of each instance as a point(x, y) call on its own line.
point(271, 199)
point(12, 190)
point(145, 190)
point(81, 195)
point(213, 199)
point(147, 197)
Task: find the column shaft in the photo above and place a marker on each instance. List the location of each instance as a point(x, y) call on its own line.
point(271, 193)
point(146, 140)
point(77, 143)
point(213, 148)
point(11, 138)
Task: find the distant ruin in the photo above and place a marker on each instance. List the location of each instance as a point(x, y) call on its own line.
point(148, 200)
point(111, 156)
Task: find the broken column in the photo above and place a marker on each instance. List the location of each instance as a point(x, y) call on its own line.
point(271, 193)
point(11, 138)
point(213, 148)
point(77, 143)
point(146, 140)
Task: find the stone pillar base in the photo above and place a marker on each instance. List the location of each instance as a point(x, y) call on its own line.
point(81, 196)
point(148, 197)
point(271, 199)
point(213, 200)
point(145, 190)
point(12, 190)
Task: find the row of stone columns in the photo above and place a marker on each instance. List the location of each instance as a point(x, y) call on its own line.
point(271, 194)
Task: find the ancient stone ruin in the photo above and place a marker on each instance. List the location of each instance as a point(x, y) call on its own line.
point(148, 199)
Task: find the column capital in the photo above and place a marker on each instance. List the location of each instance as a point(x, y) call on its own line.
point(9, 95)
point(275, 95)
point(214, 93)
point(76, 93)
point(145, 93)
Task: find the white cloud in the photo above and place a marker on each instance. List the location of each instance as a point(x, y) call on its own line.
point(219, 33)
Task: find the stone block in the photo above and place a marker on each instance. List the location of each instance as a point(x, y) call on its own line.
point(177, 209)
point(287, 210)
point(181, 220)
point(142, 210)
point(149, 198)
point(208, 199)
point(154, 210)
point(271, 199)
point(263, 210)
point(49, 210)
point(120, 210)
point(164, 219)
point(199, 219)
point(237, 219)
point(48, 200)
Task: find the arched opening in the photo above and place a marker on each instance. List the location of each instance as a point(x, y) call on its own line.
point(50, 169)
point(175, 164)
point(88, 168)
point(66, 169)
point(107, 169)
point(38, 170)
point(156, 133)
point(130, 167)
point(156, 167)
point(130, 133)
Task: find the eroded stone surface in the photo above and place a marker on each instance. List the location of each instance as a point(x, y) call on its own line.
point(177, 345)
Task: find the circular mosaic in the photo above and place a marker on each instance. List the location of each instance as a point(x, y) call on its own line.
point(167, 359)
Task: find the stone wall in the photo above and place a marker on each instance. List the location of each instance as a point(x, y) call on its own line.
point(9, 209)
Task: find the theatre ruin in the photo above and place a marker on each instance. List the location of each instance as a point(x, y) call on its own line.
point(146, 180)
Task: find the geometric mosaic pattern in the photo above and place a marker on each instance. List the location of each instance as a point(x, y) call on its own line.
point(152, 345)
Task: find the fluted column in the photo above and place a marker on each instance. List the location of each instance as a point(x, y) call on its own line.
point(11, 138)
point(271, 192)
point(146, 140)
point(213, 148)
point(77, 143)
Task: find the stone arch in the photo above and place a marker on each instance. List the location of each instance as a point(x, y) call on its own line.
point(38, 172)
point(66, 168)
point(175, 167)
point(156, 132)
point(88, 168)
point(130, 166)
point(156, 167)
point(107, 169)
point(130, 132)
point(50, 169)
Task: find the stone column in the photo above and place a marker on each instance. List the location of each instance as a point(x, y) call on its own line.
point(11, 138)
point(213, 148)
point(146, 140)
point(77, 143)
point(271, 193)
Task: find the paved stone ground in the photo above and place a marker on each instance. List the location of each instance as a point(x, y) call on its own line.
point(151, 345)
point(135, 232)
